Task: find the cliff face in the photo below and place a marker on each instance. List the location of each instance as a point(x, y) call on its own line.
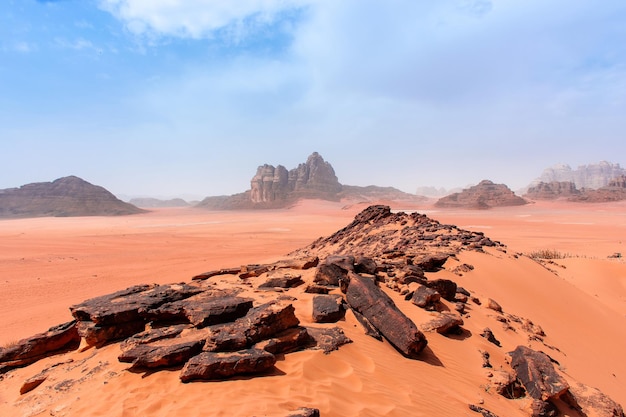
point(485, 195)
point(64, 197)
point(315, 178)
point(592, 176)
point(614, 191)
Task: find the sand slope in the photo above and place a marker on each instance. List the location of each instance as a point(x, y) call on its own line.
point(579, 305)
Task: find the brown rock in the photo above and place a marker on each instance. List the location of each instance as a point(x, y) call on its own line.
point(328, 308)
point(33, 382)
point(304, 412)
point(165, 353)
point(431, 263)
point(493, 305)
point(536, 372)
point(369, 328)
point(221, 365)
point(95, 335)
point(540, 408)
point(260, 323)
point(366, 298)
point(592, 402)
point(481, 410)
point(482, 196)
point(204, 309)
point(284, 281)
point(365, 265)
point(445, 287)
point(443, 323)
point(488, 334)
point(328, 339)
point(425, 297)
point(217, 272)
point(329, 274)
point(290, 340)
point(26, 351)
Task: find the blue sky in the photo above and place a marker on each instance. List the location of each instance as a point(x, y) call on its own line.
point(186, 98)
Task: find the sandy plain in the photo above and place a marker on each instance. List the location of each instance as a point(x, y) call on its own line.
point(48, 264)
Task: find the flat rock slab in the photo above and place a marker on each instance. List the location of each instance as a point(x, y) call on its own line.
point(162, 355)
point(290, 340)
point(425, 297)
point(222, 365)
point(328, 339)
point(284, 281)
point(130, 304)
point(203, 309)
point(26, 351)
point(442, 323)
point(536, 372)
point(328, 308)
point(379, 309)
point(262, 322)
point(98, 335)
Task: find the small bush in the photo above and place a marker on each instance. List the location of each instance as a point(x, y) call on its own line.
point(549, 254)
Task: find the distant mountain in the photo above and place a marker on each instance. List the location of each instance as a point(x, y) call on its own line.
point(485, 195)
point(148, 202)
point(275, 187)
point(615, 190)
point(592, 176)
point(64, 197)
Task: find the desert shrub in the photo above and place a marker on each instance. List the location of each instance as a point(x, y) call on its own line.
point(549, 254)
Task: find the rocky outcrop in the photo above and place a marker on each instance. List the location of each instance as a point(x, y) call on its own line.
point(536, 372)
point(552, 190)
point(592, 176)
point(221, 365)
point(485, 195)
point(276, 187)
point(64, 197)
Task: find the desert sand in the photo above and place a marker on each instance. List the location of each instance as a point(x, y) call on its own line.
point(48, 264)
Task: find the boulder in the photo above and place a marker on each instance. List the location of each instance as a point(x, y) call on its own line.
point(97, 335)
point(493, 305)
point(329, 274)
point(592, 402)
point(425, 297)
point(365, 265)
point(366, 298)
point(536, 372)
point(488, 334)
point(445, 287)
point(283, 281)
point(328, 308)
point(304, 412)
point(163, 354)
point(431, 263)
point(221, 365)
point(203, 309)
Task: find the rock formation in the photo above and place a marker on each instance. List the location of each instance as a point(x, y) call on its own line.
point(485, 195)
point(591, 176)
point(275, 187)
point(615, 190)
point(64, 197)
point(552, 190)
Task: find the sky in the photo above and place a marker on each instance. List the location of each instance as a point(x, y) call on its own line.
point(168, 98)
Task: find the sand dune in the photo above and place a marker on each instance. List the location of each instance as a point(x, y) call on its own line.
point(580, 302)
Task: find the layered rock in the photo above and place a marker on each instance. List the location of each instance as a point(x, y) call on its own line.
point(64, 197)
point(592, 176)
point(552, 190)
point(485, 195)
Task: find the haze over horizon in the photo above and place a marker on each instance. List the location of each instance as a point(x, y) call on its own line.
point(166, 98)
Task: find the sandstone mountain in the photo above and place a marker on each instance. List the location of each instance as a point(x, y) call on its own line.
point(147, 202)
point(485, 195)
point(591, 176)
point(275, 187)
point(615, 190)
point(64, 197)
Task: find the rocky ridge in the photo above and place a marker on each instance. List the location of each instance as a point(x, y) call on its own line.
point(592, 176)
point(64, 197)
point(485, 195)
point(243, 320)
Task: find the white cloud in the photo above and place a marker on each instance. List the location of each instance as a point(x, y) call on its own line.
point(195, 18)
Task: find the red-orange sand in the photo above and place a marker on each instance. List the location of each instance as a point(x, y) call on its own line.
point(48, 264)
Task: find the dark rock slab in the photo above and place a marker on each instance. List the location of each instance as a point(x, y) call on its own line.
point(203, 309)
point(317, 289)
point(98, 335)
point(328, 308)
point(152, 335)
point(284, 281)
point(443, 323)
point(366, 298)
point(130, 304)
point(445, 287)
point(262, 322)
point(290, 340)
point(536, 372)
point(222, 365)
point(329, 274)
point(216, 272)
point(29, 350)
point(365, 265)
point(164, 353)
point(303, 263)
point(254, 270)
point(328, 339)
point(425, 297)
point(431, 263)
point(540, 408)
